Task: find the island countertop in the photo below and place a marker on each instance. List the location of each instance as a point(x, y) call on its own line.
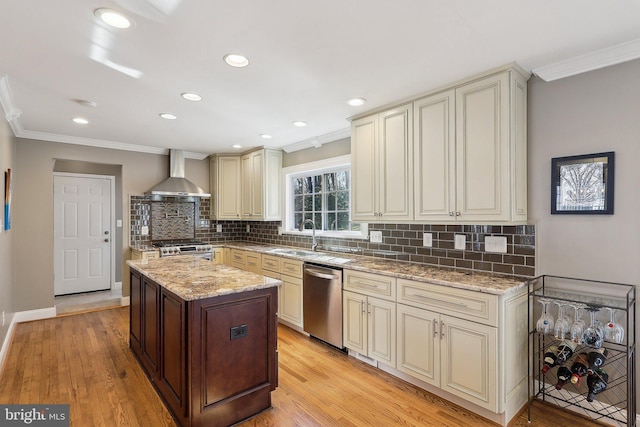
point(193, 278)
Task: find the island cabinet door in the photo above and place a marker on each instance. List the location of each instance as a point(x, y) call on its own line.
point(233, 356)
point(135, 313)
point(172, 372)
point(150, 314)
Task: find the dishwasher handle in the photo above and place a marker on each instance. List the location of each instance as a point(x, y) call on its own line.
point(321, 274)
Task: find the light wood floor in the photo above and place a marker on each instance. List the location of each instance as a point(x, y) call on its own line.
point(84, 360)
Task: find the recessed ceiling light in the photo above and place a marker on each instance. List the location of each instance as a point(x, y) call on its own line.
point(113, 18)
point(236, 146)
point(300, 124)
point(236, 60)
point(191, 96)
point(356, 102)
point(265, 136)
point(168, 116)
point(80, 120)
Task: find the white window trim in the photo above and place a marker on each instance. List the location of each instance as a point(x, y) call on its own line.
point(316, 167)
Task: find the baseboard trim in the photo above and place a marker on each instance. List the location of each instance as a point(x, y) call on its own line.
point(125, 301)
point(4, 350)
point(42, 313)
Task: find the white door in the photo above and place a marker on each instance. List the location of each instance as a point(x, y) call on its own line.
point(82, 234)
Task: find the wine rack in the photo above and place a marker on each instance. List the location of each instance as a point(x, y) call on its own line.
point(616, 405)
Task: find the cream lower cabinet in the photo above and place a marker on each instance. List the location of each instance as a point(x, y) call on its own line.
point(290, 293)
point(369, 327)
point(455, 355)
point(369, 315)
point(470, 344)
point(217, 255)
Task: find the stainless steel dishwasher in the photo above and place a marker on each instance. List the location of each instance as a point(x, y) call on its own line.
point(322, 303)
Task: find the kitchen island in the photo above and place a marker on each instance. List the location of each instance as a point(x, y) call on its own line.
point(205, 335)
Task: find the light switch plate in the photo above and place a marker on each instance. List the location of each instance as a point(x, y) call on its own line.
point(118, 223)
point(427, 240)
point(218, 228)
point(460, 242)
point(496, 244)
point(375, 236)
point(144, 230)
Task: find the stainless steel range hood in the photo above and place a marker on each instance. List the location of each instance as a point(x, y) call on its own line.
point(177, 184)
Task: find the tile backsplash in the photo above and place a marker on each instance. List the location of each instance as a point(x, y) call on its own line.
point(402, 242)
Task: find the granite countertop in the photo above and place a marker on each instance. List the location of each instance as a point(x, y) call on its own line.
point(193, 278)
point(475, 281)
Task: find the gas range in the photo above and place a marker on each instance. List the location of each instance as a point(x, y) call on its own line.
point(183, 247)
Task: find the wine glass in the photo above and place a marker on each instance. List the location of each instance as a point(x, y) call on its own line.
point(613, 331)
point(577, 327)
point(545, 322)
point(562, 323)
point(594, 334)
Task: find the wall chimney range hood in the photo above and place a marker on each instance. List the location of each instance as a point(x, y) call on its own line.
point(177, 184)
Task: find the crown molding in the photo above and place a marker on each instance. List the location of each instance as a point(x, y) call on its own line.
point(318, 141)
point(613, 55)
point(11, 112)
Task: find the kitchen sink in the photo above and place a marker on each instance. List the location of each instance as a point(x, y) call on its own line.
point(312, 256)
point(295, 252)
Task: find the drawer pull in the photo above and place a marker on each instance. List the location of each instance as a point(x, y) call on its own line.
point(439, 301)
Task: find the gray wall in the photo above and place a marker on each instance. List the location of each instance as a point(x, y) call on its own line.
point(589, 113)
point(7, 160)
point(33, 203)
point(327, 151)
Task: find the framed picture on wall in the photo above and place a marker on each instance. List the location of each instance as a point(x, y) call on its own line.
point(582, 184)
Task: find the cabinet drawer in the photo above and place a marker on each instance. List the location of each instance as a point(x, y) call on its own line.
point(150, 255)
point(271, 263)
point(370, 284)
point(238, 257)
point(460, 303)
point(292, 268)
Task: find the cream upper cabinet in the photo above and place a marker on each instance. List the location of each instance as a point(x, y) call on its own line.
point(381, 168)
point(224, 172)
point(470, 151)
point(261, 182)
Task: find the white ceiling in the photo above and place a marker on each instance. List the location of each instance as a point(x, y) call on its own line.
point(306, 59)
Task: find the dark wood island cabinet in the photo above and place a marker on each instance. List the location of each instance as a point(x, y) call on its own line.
point(206, 336)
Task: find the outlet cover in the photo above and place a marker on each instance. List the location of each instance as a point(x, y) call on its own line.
point(248, 229)
point(218, 228)
point(279, 231)
point(375, 236)
point(427, 240)
point(144, 230)
point(496, 244)
point(460, 242)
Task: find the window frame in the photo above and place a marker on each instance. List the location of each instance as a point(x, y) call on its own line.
point(314, 168)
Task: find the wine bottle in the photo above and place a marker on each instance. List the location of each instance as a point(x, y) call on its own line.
point(597, 383)
point(579, 368)
point(550, 358)
point(565, 351)
point(564, 376)
point(597, 358)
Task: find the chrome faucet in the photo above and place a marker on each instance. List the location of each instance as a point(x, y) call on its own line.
point(314, 245)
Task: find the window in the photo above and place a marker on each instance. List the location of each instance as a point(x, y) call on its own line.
point(323, 199)
point(320, 192)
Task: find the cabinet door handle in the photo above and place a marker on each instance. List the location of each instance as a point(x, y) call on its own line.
point(362, 306)
point(441, 329)
point(435, 328)
point(457, 213)
point(450, 213)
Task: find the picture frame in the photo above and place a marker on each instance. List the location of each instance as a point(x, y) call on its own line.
point(583, 184)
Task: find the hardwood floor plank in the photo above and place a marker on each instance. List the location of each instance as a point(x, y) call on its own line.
point(84, 360)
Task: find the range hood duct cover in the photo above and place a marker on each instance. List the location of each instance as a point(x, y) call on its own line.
point(177, 184)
